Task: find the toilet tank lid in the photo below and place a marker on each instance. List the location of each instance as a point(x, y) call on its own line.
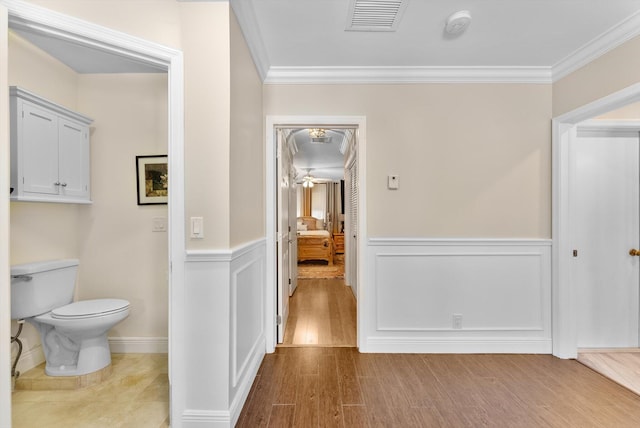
point(43, 266)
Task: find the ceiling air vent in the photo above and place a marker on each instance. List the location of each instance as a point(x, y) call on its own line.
point(375, 15)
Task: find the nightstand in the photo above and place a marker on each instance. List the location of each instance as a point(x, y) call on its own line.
point(338, 240)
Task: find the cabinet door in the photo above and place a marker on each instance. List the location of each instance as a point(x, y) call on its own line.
point(39, 150)
point(74, 158)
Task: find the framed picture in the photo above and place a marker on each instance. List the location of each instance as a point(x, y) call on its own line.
point(153, 179)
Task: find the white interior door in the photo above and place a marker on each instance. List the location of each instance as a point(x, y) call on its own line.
point(283, 234)
point(293, 240)
point(605, 213)
point(351, 227)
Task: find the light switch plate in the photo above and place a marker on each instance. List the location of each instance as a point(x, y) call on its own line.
point(393, 182)
point(197, 227)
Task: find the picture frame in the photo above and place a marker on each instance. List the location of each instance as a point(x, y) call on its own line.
point(152, 179)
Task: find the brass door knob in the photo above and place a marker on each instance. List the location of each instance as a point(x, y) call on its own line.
point(634, 252)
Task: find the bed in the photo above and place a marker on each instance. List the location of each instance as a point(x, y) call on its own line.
point(314, 243)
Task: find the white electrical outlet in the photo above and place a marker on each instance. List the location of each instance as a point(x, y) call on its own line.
point(457, 321)
point(159, 224)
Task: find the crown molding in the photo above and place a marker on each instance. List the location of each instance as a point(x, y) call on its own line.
point(399, 75)
point(250, 28)
point(610, 39)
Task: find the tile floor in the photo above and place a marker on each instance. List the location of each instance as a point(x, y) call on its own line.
point(135, 395)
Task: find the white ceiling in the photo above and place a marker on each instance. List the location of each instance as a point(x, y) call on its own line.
point(533, 40)
point(320, 160)
point(84, 59)
point(305, 41)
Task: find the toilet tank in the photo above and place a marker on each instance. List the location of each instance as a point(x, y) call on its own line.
point(38, 287)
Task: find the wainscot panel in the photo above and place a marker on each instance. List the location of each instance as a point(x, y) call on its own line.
point(224, 297)
point(248, 285)
point(465, 296)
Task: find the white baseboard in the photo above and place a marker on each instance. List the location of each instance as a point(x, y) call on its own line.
point(244, 387)
point(205, 419)
point(139, 345)
point(423, 345)
point(118, 345)
point(29, 359)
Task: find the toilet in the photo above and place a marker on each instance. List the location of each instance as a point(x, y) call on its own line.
point(73, 334)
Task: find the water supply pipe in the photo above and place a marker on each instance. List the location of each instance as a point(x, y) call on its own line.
point(14, 373)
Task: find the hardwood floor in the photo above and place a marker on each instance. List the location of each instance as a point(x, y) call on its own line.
point(620, 365)
point(339, 387)
point(322, 312)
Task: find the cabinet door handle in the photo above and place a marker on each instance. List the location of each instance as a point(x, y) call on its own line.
point(63, 184)
point(57, 183)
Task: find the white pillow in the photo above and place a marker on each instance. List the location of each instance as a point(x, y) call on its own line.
point(302, 226)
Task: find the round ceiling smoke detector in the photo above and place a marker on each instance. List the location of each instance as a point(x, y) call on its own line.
point(458, 22)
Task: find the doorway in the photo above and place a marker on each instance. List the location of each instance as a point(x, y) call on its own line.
point(606, 211)
point(316, 302)
point(568, 335)
point(81, 33)
point(277, 298)
point(596, 231)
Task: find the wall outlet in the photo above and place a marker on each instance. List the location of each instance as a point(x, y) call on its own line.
point(457, 321)
point(159, 224)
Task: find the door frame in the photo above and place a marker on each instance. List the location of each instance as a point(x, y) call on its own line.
point(564, 327)
point(273, 122)
point(86, 33)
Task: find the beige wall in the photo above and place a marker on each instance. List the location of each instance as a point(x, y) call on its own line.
point(630, 112)
point(119, 255)
point(26, 65)
point(473, 159)
point(247, 148)
point(201, 31)
point(205, 43)
point(52, 226)
point(615, 70)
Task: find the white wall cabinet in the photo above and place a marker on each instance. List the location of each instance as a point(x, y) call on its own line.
point(50, 153)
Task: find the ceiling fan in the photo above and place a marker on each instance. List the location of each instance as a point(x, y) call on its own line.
point(308, 180)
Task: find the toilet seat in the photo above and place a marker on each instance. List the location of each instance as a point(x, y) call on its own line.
point(90, 308)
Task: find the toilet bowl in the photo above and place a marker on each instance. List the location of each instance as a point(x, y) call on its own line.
point(73, 334)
